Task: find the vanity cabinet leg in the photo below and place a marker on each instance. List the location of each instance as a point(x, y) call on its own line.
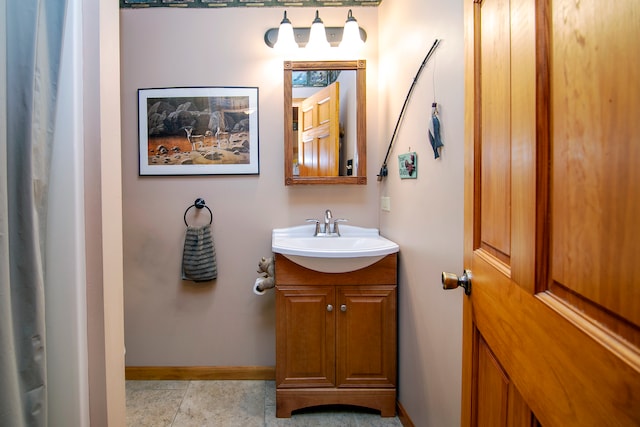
point(388, 409)
point(282, 410)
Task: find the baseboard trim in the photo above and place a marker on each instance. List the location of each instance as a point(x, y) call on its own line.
point(403, 416)
point(200, 373)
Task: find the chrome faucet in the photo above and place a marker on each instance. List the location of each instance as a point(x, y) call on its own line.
point(329, 226)
point(327, 221)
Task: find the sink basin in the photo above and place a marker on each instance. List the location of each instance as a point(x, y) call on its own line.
point(355, 248)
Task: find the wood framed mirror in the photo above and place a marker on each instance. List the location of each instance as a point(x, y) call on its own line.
point(325, 122)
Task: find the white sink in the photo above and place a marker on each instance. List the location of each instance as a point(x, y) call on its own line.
point(355, 248)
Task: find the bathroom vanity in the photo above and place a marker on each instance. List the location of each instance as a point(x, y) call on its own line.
point(336, 336)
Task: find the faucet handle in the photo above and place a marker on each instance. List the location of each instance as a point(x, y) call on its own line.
point(336, 230)
point(317, 222)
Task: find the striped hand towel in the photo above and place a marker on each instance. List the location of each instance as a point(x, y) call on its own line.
point(199, 255)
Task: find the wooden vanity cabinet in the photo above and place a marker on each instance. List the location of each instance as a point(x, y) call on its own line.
point(336, 337)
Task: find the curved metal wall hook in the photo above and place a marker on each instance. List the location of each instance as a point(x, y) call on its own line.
point(198, 204)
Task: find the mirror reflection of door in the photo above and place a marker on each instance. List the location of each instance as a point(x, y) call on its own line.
point(318, 138)
point(325, 128)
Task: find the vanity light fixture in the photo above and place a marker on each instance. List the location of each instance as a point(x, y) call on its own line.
point(287, 38)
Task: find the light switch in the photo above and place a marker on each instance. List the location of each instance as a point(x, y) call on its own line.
point(385, 204)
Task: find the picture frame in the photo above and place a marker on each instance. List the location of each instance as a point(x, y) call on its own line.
point(198, 131)
point(408, 165)
point(299, 78)
point(318, 78)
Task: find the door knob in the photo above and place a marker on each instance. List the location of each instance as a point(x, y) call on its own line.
point(452, 281)
point(329, 307)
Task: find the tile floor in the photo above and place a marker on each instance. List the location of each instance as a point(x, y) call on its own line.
point(230, 404)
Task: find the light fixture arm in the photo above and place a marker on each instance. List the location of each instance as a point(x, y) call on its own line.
point(350, 16)
point(285, 20)
point(317, 19)
point(383, 169)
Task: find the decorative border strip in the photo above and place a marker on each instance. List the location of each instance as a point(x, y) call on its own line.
point(130, 4)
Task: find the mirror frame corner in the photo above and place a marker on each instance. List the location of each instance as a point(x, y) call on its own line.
point(359, 66)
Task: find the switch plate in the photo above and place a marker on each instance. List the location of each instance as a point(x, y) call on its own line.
point(385, 204)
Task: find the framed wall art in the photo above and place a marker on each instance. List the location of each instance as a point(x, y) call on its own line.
point(198, 131)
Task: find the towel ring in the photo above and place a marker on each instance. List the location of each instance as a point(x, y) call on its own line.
point(198, 204)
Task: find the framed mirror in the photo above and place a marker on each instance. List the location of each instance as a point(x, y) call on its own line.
point(325, 122)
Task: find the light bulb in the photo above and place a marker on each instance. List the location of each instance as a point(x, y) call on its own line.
point(286, 39)
point(317, 35)
point(351, 39)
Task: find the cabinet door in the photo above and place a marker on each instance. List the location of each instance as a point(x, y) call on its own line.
point(366, 336)
point(305, 336)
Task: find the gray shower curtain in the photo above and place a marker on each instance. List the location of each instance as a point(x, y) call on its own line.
point(30, 53)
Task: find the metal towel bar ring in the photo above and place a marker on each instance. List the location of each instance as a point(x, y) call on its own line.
point(198, 204)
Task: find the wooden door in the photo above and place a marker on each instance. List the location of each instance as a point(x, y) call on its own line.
point(552, 213)
point(366, 336)
point(319, 145)
point(305, 336)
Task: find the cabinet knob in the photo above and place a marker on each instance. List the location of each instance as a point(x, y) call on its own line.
point(329, 307)
point(343, 307)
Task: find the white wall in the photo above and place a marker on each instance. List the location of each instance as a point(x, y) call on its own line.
point(85, 360)
point(111, 211)
point(169, 322)
point(66, 316)
point(103, 211)
point(426, 217)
